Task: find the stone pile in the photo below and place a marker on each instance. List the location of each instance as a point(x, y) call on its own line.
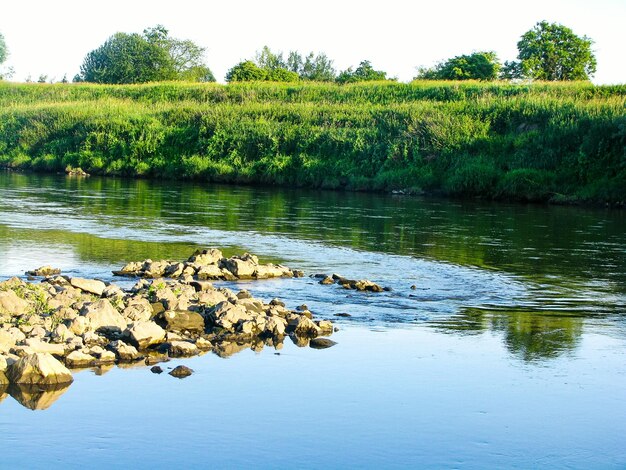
point(73, 322)
point(360, 285)
point(208, 265)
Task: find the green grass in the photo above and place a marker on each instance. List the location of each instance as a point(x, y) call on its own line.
point(539, 142)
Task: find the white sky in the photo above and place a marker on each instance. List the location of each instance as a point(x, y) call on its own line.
point(52, 37)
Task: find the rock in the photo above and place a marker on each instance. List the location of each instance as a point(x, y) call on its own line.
point(107, 357)
point(413, 287)
point(181, 372)
point(325, 326)
point(44, 271)
point(242, 267)
point(365, 285)
point(275, 325)
point(145, 333)
point(155, 357)
point(3, 363)
point(182, 349)
point(4, 380)
point(207, 257)
point(327, 280)
point(211, 298)
point(102, 316)
point(112, 291)
point(174, 270)
point(227, 316)
point(297, 273)
point(343, 315)
point(78, 326)
point(79, 359)
point(92, 286)
point(201, 343)
point(38, 346)
point(277, 302)
point(182, 320)
point(40, 369)
point(124, 352)
point(157, 308)
point(211, 271)
point(321, 343)
point(156, 370)
point(11, 304)
point(304, 326)
point(61, 334)
point(267, 271)
point(7, 341)
point(201, 286)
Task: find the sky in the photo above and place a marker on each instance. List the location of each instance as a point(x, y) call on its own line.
point(52, 37)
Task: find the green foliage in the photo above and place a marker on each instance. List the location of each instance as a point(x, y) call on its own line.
point(544, 141)
point(363, 73)
point(3, 49)
point(552, 52)
point(153, 56)
point(476, 66)
point(246, 71)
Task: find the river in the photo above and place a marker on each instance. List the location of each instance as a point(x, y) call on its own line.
point(502, 342)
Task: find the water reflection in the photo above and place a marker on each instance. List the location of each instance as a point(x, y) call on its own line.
point(37, 397)
point(529, 335)
point(534, 275)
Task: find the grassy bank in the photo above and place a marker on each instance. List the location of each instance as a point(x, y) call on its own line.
point(558, 142)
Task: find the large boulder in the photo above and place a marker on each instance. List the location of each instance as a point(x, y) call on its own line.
point(145, 333)
point(211, 271)
point(138, 309)
point(241, 266)
point(182, 349)
point(102, 316)
point(182, 320)
point(40, 369)
point(11, 304)
point(79, 359)
point(207, 257)
point(227, 315)
point(91, 286)
point(39, 346)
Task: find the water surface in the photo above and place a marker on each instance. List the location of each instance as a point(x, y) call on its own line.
point(502, 342)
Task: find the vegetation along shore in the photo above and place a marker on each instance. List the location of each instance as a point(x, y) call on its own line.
point(560, 142)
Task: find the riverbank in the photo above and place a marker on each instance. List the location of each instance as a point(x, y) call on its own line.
point(561, 143)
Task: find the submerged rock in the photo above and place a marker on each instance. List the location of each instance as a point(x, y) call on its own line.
point(321, 343)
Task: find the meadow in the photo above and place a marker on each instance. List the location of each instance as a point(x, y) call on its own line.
point(557, 142)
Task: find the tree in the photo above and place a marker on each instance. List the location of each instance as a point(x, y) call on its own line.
point(313, 67)
point(475, 66)
point(3, 49)
point(511, 71)
point(246, 71)
point(136, 58)
point(363, 73)
point(551, 51)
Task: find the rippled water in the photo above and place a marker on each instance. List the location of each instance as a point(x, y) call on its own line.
point(508, 351)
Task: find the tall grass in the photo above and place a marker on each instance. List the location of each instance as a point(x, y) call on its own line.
point(530, 142)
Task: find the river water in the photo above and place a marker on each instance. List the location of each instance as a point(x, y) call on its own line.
point(501, 344)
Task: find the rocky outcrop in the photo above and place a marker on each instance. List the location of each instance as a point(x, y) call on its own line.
point(208, 265)
point(360, 285)
point(44, 271)
point(87, 323)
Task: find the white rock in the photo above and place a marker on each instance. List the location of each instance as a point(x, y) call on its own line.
point(143, 334)
point(92, 286)
point(39, 368)
point(10, 303)
point(103, 316)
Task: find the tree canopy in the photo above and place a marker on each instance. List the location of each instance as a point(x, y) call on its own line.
point(363, 73)
point(550, 51)
point(147, 57)
point(475, 66)
point(272, 66)
point(3, 49)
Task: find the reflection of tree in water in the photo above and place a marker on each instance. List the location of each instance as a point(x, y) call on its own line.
point(529, 335)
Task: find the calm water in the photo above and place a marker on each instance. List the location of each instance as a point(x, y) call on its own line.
point(509, 352)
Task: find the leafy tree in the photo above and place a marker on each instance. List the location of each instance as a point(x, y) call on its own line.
point(3, 49)
point(551, 51)
point(511, 71)
point(282, 75)
point(268, 60)
point(246, 71)
point(476, 66)
point(312, 67)
point(363, 73)
point(153, 56)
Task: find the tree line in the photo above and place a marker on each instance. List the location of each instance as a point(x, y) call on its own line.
point(548, 51)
